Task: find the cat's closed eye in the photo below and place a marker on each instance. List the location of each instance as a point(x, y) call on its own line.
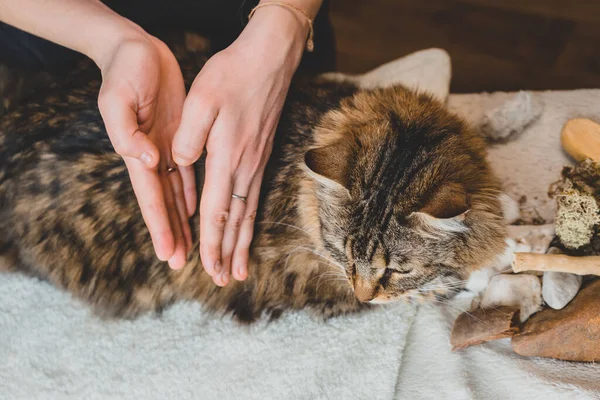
point(400, 271)
point(400, 264)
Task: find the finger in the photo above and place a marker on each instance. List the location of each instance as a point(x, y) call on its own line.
point(241, 252)
point(214, 212)
point(188, 177)
point(178, 194)
point(196, 122)
point(149, 193)
point(179, 257)
point(232, 228)
point(120, 119)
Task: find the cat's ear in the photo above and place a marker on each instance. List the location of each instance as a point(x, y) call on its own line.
point(329, 165)
point(447, 208)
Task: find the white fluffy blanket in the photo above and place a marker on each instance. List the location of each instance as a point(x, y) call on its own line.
point(51, 348)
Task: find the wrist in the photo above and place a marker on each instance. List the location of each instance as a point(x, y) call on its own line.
point(109, 36)
point(279, 32)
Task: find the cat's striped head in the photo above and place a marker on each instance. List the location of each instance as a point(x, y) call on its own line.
point(406, 200)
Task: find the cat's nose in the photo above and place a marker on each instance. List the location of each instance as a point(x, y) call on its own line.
point(364, 290)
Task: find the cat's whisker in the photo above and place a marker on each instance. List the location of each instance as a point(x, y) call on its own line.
point(440, 288)
point(327, 275)
point(329, 280)
point(330, 261)
point(447, 289)
point(457, 307)
point(502, 271)
point(331, 277)
point(488, 307)
point(288, 225)
point(276, 246)
point(332, 273)
point(298, 248)
point(448, 286)
point(455, 285)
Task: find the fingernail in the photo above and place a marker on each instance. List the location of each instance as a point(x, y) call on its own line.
point(218, 267)
point(179, 159)
point(225, 278)
point(146, 158)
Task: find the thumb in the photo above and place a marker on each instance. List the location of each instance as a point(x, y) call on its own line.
point(196, 122)
point(121, 121)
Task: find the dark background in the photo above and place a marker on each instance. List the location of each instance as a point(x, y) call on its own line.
point(494, 44)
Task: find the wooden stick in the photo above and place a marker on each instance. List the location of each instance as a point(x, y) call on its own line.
point(587, 265)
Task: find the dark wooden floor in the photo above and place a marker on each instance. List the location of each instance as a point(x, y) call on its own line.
point(494, 44)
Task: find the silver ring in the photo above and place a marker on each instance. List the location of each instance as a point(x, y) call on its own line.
point(171, 169)
point(237, 196)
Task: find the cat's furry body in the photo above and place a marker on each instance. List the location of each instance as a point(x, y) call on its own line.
point(365, 196)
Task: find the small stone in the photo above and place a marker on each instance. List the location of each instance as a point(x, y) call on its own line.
point(572, 333)
point(559, 288)
point(522, 291)
point(512, 117)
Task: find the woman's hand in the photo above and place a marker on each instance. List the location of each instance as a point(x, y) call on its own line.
point(233, 108)
point(140, 101)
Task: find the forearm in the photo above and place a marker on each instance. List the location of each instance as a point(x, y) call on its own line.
point(86, 26)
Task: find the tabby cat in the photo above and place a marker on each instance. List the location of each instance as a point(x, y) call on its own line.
point(370, 196)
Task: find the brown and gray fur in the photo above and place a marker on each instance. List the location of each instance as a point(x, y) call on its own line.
point(372, 194)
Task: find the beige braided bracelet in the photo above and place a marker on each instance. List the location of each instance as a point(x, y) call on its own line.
point(310, 44)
